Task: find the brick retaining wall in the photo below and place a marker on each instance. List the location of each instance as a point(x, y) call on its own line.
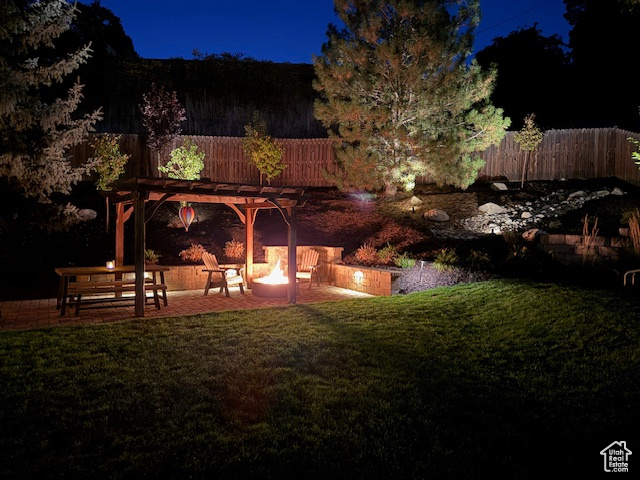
point(569, 249)
point(373, 281)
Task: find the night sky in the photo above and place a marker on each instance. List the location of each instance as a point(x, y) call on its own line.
point(286, 30)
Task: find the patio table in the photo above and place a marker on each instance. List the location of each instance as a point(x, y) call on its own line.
point(70, 274)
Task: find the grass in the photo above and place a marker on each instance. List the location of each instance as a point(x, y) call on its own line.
point(457, 382)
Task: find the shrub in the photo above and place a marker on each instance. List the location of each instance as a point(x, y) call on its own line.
point(634, 230)
point(626, 216)
point(387, 254)
point(555, 225)
point(151, 257)
point(186, 162)
point(478, 260)
point(589, 236)
point(366, 254)
point(447, 259)
point(234, 249)
point(405, 261)
point(110, 162)
point(193, 253)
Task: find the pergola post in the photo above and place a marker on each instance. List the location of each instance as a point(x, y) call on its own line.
point(139, 246)
point(250, 218)
point(120, 219)
point(292, 245)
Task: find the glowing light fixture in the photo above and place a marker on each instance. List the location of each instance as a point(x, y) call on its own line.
point(358, 275)
point(186, 214)
point(111, 264)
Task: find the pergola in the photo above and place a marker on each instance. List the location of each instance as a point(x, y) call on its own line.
point(142, 196)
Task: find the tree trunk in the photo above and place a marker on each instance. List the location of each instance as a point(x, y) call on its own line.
point(390, 190)
point(524, 168)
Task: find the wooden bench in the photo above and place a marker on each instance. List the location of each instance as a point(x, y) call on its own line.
point(78, 289)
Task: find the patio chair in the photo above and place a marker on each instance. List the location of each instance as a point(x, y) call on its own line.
point(220, 277)
point(308, 267)
point(631, 273)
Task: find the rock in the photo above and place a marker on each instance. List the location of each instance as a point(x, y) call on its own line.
point(415, 201)
point(526, 215)
point(532, 234)
point(499, 187)
point(435, 215)
point(578, 194)
point(86, 214)
point(602, 193)
point(491, 208)
point(617, 191)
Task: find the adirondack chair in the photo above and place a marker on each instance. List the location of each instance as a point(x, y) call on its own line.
point(308, 266)
point(220, 277)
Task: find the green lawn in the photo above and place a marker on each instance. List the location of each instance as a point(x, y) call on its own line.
point(497, 377)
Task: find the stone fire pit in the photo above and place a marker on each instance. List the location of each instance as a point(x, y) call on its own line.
point(262, 288)
point(273, 285)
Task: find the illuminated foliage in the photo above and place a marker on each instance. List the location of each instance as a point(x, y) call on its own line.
point(399, 97)
point(262, 150)
point(186, 162)
point(528, 139)
point(36, 128)
point(109, 161)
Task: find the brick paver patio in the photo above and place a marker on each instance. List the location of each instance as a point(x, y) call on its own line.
point(30, 314)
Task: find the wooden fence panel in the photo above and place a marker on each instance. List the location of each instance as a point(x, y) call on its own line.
point(575, 153)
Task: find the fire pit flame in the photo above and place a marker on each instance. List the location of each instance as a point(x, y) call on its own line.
point(273, 285)
point(276, 277)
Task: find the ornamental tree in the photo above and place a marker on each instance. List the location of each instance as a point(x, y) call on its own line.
point(263, 151)
point(186, 162)
point(110, 162)
point(36, 128)
point(399, 97)
point(528, 139)
point(162, 116)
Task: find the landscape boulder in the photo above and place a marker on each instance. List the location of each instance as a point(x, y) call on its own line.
point(435, 215)
point(86, 214)
point(491, 208)
point(533, 233)
point(578, 194)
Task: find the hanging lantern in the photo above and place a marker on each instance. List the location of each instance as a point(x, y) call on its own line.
point(186, 214)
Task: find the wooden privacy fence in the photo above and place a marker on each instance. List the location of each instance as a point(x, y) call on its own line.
point(305, 159)
point(576, 153)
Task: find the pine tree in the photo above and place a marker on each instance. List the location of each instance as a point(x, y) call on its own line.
point(399, 96)
point(36, 128)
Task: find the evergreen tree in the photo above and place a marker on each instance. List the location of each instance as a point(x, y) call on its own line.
point(399, 96)
point(36, 128)
point(532, 75)
point(604, 41)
